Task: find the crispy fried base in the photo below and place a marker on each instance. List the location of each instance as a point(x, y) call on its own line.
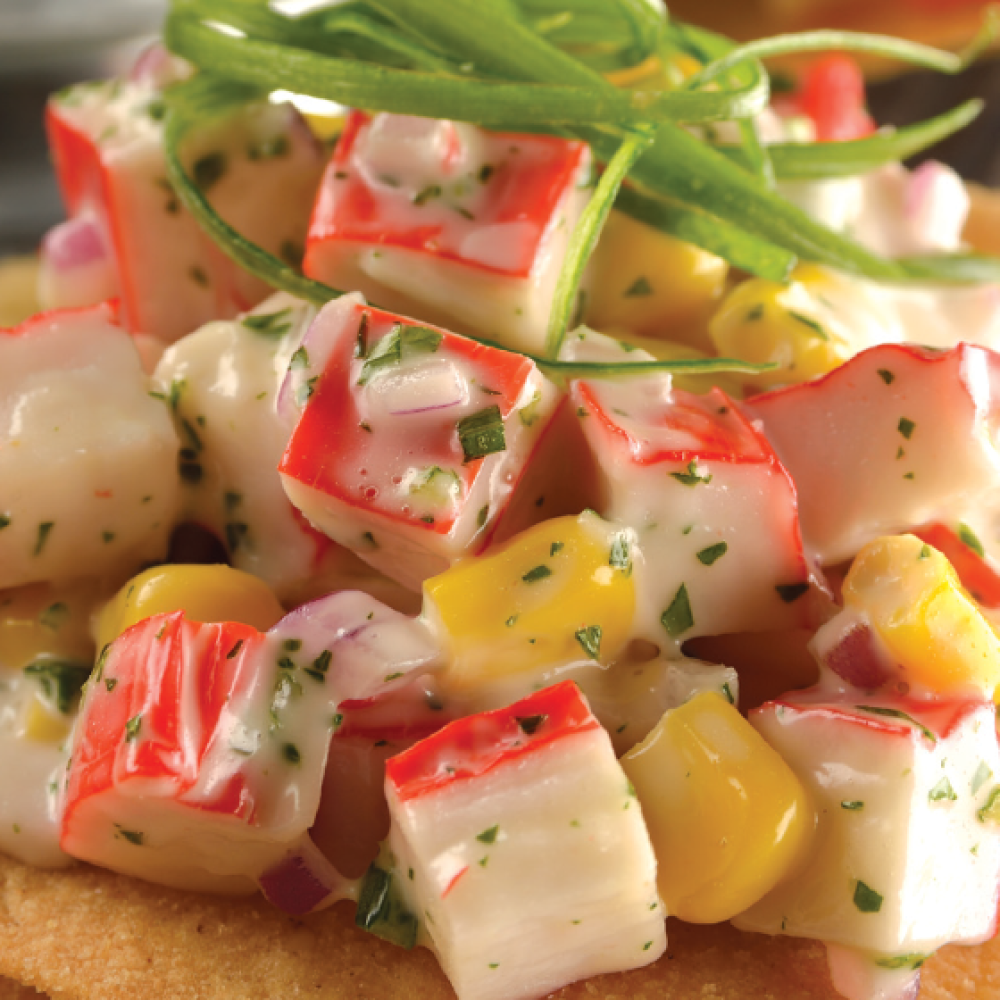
point(86, 934)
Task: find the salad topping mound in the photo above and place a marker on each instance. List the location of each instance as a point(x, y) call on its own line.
point(529, 395)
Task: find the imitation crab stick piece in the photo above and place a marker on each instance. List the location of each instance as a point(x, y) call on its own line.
point(443, 220)
point(907, 852)
point(199, 755)
point(88, 467)
point(712, 506)
point(521, 846)
point(222, 384)
point(899, 436)
point(107, 145)
point(409, 443)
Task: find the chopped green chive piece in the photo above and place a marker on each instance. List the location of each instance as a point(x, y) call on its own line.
point(906, 427)
point(482, 433)
point(727, 692)
point(925, 552)
point(528, 413)
point(208, 170)
point(536, 574)
point(942, 791)
point(969, 539)
point(132, 728)
point(852, 805)
point(809, 322)
point(895, 713)
point(400, 343)
point(556, 547)
point(754, 313)
point(912, 961)
point(488, 836)
point(4, 521)
point(590, 639)
point(709, 555)
point(866, 899)
point(54, 616)
point(677, 619)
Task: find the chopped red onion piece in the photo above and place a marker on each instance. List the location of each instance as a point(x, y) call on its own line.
point(303, 881)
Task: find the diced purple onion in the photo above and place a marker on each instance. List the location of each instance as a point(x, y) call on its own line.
point(75, 243)
point(855, 657)
point(303, 881)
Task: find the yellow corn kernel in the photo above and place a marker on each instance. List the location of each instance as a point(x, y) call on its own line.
point(917, 607)
point(205, 593)
point(558, 592)
point(652, 284)
point(43, 725)
point(767, 322)
point(727, 816)
point(41, 620)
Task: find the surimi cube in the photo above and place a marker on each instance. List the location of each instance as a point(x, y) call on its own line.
point(443, 220)
point(222, 384)
point(898, 437)
point(907, 855)
point(410, 442)
point(260, 167)
point(88, 461)
point(199, 755)
point(525, 852)
point(711, 504)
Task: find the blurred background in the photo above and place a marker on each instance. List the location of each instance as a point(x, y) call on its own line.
point(47, 44)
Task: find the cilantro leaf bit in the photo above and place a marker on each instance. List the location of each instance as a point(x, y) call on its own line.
point(529, 412)
point(678, 619)
point(982, 775)
point(639, 288)
point(482, 434)
point(590, 639)
point(906, 427)
point(990, 810)
point(887, 376)
point(852, 805)
point(488, 836)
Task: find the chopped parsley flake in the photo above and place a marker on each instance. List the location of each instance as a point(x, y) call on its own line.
point(852, 805)
point(678, 619)
point(132, 728)
point(866, 899)
point(530, 723)
point(556, 547)
point(4, 521)
point(790, 592)
point(275, 324)
point(709, 555)
point(639, 288)
point(969, 540)
point(942, 791)
point(536, 574)
point(529, 412)
point(692, 476)
point(132, 836)
point(44, 530)
point(61, 681)
point(399, 343)
point(911, 961)
point(54, 616)
point(925, 552)
point(727, 691)
point(906, 427)
point(887, 376)
point(488, 836)
point(621, 556)
point(590, 639)
point(990, 810)
point(895, 713)
point(754, 313)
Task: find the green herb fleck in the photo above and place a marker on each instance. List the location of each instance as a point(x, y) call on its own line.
point(941, 791)
point(906, 427)
point(982, 775)
point(709, 555)
point(132, 836)
point(969, 539)
point(911, 961)
point(866, 899)
point(275, 324)
point(536, 574)
point(852, 805)
point(400, 343)
point(990, 810)
point(809, 322)
point(895, 713)
point(60, 680)
point(488, 836)
point(677, 619)
point(728, 693)
point(621, 555)
point(639, 288)
point(692, 477)
point(482, 433)
point(590, 639)
point(54, 616)
point(132, 728)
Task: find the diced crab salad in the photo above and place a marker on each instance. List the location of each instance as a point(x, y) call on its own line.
point(479, 660)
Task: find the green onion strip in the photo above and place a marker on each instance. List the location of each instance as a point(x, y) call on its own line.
point(585, 235)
